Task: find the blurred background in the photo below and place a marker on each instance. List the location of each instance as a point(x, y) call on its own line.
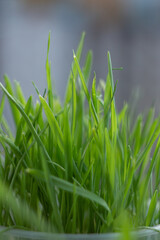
point(130, 30)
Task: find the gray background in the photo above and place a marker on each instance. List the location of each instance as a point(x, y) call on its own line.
point(133, 40)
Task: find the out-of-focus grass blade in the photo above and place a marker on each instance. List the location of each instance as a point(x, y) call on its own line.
point(135, 132)
point(144, 187)
point(148, 147)
point(15, 112)
point(152, 129)
point(74, 70)
point(19, 93)
point(137, 135)
point(147, 124)
point(69, 187)
point(8, 141)
point(6, 128)
point(2, 107)
point(21, 210)
point(87, 66)
point(151, 209)
point(155, 154)
point(94, 94)
point(122, 114)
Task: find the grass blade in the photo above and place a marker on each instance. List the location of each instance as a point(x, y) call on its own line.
point(2, 107)
point(151, 209)
point(22, 211)
point(74, 70)
point(15, 112)
point(69, 187)
point(52, 122)
point(86, 90)
point(29, 123)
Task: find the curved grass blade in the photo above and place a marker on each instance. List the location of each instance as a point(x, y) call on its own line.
point(69, 187)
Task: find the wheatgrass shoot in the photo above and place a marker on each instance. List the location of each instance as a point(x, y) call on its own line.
point(80, 166)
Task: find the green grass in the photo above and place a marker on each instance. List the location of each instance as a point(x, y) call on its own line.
point(80, 166)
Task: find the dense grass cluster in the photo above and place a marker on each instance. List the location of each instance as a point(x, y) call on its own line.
point(79, 167)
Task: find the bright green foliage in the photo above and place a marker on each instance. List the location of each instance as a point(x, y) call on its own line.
point(78, 167)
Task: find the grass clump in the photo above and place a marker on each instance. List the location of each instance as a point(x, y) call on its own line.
point(79, 167)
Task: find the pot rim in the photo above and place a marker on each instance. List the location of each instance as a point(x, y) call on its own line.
point(19, 233)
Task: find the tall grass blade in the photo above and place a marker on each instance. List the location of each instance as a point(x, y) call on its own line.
point(74, 70)
point(15, 112)
point(151, 209)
